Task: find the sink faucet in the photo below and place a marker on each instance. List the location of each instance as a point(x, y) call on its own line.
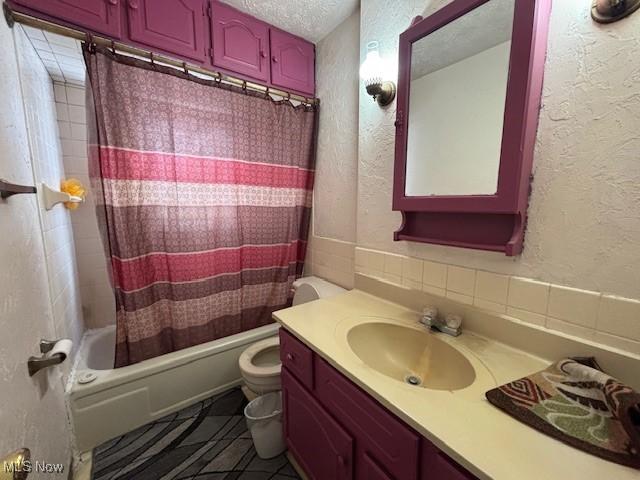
point(451, 325)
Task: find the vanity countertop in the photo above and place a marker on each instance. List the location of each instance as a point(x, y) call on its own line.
point(462, 423)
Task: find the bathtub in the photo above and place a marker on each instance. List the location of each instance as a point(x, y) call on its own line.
point(123, 399)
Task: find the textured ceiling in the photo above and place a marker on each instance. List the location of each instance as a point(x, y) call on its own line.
point(310, 19)
point(479, 30)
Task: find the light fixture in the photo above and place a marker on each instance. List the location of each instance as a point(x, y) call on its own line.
point(376, 74)
point(608, 11)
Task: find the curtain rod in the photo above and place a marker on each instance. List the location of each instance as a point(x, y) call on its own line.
point(147, 54)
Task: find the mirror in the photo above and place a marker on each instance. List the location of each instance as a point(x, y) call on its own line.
point(457, 94)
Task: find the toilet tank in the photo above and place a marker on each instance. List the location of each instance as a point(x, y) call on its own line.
point(307, 289)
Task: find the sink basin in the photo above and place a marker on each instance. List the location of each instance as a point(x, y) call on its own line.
point(411, 356)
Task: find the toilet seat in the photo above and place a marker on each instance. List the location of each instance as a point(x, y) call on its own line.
point(246, 359)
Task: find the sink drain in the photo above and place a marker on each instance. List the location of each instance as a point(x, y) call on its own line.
point(413, 380)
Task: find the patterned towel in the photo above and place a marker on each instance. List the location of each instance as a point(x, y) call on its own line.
point(576, 402)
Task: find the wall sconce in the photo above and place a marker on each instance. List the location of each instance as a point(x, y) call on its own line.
point(609, 11)
point(375, 74)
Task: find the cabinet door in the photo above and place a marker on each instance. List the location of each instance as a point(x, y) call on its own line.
point(240, 42)
point(101, 16)
point(292, 62)
point(437, 466)
point(371, 470)
point(175, 26)
point(321, 447)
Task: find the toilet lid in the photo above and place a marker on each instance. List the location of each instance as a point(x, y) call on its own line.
point(246, 359)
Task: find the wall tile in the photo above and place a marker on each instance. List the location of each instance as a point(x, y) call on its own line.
point(579, 307)
point(526, 316)
point(412, 269)
point(617, 342)
point(459, 297)
point(440, 292)
point(434, 274)
point(489, 305)
point(492, 287)
point(570, 328)
point(529, 295)
point(393, 265)
point(461, 280)
point(619, 316)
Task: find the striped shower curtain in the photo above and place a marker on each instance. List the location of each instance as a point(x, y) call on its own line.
point(203, 195)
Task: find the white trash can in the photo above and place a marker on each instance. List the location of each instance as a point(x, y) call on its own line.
point(264, 420)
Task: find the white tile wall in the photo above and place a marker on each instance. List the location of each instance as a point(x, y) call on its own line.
point(61, 56)
point(606, 319)
point(98, 302)
point(46, 157)
point(332, 260)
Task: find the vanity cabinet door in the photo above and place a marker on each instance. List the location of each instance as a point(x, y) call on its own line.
point(381, 438)
point(319, 444)
point(438, 466)
point(292, 62)
point(102, 16)
point(240, 42)
point(175, 26)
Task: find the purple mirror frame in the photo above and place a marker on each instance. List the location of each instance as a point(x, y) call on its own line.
point(487, 222)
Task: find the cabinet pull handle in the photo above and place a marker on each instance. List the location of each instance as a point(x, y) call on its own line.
point(133, 5)
point(290, 357)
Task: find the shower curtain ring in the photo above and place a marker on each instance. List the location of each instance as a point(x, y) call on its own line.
point(288, 96)
point(244, 86)
point(186, 70)
point(151, 58)
point(218, 78)
point(113, 47)
point(91, 46)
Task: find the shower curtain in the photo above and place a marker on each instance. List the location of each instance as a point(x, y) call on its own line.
point(203, 195)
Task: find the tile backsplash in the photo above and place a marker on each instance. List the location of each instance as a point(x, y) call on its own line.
point(607, 319)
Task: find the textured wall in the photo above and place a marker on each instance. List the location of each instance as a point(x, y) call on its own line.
point(32, 411)
point(310, 20)
point(335, 194)
point(583, 218)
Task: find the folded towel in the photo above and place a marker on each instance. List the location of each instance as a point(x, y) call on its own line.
point(576, 402)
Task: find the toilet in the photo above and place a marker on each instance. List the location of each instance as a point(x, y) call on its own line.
point(260, 363)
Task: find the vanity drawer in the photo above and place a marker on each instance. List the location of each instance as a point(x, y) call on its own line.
point(297, 357)
point(380, 435)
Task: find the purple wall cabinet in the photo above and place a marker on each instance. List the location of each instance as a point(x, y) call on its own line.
point(101, 16)
point(240, 42)
point(175, 26)
point(292, 62)
point(323, 449)
point(488, 222)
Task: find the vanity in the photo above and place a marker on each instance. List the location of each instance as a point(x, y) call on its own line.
point(335, 430)
point(350, 411)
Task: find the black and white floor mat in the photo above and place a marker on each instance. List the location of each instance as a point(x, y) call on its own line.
point(206, 441)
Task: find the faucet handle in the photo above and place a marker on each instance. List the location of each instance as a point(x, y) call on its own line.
point(453, 320)
point(430, 311)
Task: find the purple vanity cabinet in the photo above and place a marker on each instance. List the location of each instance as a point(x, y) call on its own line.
point(335, 430)
point(240, 42)
point(102, 16)
point(174, 26)
point(292, 62)
point(321, 446)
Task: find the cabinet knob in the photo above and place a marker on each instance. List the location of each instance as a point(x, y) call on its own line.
point(113, 2)
point(341, 460)
point(263, 54)
point(290, 357)
point(133, 4)
point(274, 59)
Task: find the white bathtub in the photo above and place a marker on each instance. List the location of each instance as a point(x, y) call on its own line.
point(122, 399)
